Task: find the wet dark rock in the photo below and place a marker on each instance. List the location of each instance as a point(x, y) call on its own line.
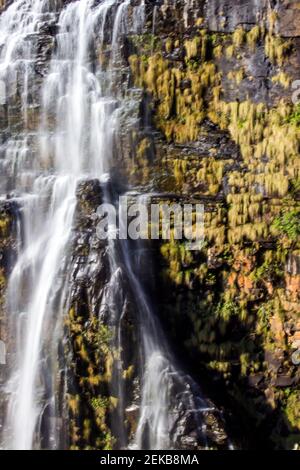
point(255, 381)
point(132, 415)
point(44, 49)
point(214, 429)
point(97, 298)
point(199, 427)
point(225, 16)
point(284, 381)
point(89, 195)
point(196, 432)
point(274, 360)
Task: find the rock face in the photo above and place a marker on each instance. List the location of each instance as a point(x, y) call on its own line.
point(217, 125)
point(221, 86)
point(224, 16)
point(100, 365)
point(9, 216)
point(289, 19)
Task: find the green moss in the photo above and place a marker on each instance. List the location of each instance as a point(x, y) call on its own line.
point(270, 270)
point(236, 301)
point(99, 403)
point(289, 224)
point(295, 186)
point(145, 43)
point(294, 117)
point(214, 38)
point(292, 410)
point(179, 111)
point(227, 309)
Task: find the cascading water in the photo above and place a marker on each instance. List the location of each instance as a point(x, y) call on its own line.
point(166, 392)
point(72, 96)
point(79, 110)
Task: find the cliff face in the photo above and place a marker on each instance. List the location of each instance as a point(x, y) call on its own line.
point(219, 78)
point(216, 102)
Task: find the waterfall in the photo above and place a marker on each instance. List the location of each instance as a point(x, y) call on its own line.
point(79, 121)
point(72, 97)
point(164, 388)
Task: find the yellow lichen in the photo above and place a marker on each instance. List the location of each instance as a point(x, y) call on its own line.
point(238, 37)
point(283, 79)
point(237, 75)
point(253, 36)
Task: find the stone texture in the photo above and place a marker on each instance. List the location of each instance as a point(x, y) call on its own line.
point(225, 16)
point(235, 305)
point(232, 309)
point(289, 18)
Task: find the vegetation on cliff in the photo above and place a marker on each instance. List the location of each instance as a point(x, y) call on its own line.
point(241, 293)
